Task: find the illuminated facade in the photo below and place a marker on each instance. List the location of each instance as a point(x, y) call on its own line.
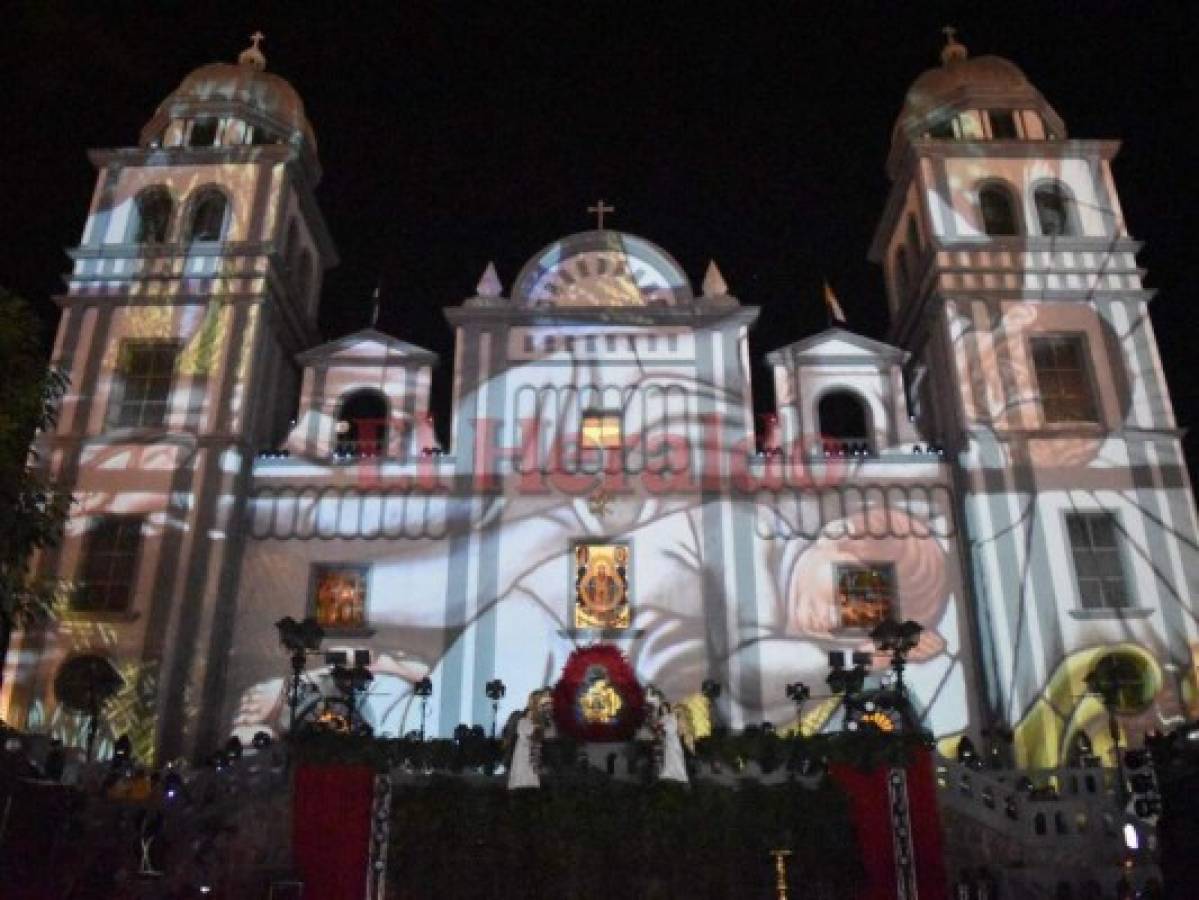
point(1006, 470)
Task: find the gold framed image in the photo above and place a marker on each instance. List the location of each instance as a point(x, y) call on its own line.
point(602, 586)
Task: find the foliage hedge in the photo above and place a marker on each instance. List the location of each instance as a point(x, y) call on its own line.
point(586, 836)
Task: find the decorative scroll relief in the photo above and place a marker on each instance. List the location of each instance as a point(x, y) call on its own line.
point(601, 278)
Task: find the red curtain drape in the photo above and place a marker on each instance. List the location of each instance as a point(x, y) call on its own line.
point(331, 828)
point(870, 806)
point(871, 811)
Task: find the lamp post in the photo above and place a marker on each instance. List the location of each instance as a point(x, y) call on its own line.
point(495, 692)
point(798, 693)
point(845, 681)
point(1112, 675)
point(898, 639)
point(352, 681)
point(299, 639)
point(424, 690)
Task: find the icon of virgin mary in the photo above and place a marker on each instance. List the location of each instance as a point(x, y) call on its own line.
point(601, 591)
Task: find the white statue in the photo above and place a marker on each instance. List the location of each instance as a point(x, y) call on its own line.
point(526, 757)
point(523, 774)
point(674, 766)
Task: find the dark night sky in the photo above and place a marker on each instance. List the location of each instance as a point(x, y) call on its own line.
point(451, 134)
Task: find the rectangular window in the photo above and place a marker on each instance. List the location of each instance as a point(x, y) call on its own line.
point(1003, 124)
point(601, 586)
point(1063, 378)
point(109, 566)
point(142, 389)
point(600, 430)
point(1098, 560)
point(865, 595)
point(339, 594)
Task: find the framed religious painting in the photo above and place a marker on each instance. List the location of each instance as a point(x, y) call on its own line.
point(601, 586)
point(865, 595)
point(339, 596)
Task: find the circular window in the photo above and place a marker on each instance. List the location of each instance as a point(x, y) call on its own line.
point(1124, 681)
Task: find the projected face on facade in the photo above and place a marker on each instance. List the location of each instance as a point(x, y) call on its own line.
point(750, 582)
point(1012, 479)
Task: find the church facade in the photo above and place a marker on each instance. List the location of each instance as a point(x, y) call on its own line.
point(1005, 470)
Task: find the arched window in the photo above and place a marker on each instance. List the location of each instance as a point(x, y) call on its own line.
point(203, 132)
point(362, 425)
point(152, 216)
point(844, 424)
point(998, 210)
point(1054, 209)
point(209, 212)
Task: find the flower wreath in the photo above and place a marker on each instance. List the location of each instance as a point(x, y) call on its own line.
point(598, 671)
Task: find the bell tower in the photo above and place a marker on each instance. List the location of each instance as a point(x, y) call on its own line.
point(1012, 280)
point(195, 282)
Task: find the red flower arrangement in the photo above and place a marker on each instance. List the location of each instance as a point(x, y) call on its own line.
point(598, 697)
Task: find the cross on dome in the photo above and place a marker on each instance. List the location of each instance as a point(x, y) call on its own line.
point(375, 303)
point(253, 55)
point(953, 51)
point(599, 209)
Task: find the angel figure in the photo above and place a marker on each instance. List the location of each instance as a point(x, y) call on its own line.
point(524, 771)
point(674, 766)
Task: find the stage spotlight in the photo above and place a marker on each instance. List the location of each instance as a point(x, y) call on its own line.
point(172, 784)
point(424, 690)
point(122, 750)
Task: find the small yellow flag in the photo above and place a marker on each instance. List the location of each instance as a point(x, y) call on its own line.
point(836, 313)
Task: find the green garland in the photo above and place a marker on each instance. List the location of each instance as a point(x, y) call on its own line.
point(868, 748)
point(472, 751)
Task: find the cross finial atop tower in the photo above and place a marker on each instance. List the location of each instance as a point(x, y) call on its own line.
point(375, 303)
point(953, 51)
point(599, 210)
point(252, 55)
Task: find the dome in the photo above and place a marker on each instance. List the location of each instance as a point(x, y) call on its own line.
point(961, 83)
point(602, 269)
point(245, 83)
